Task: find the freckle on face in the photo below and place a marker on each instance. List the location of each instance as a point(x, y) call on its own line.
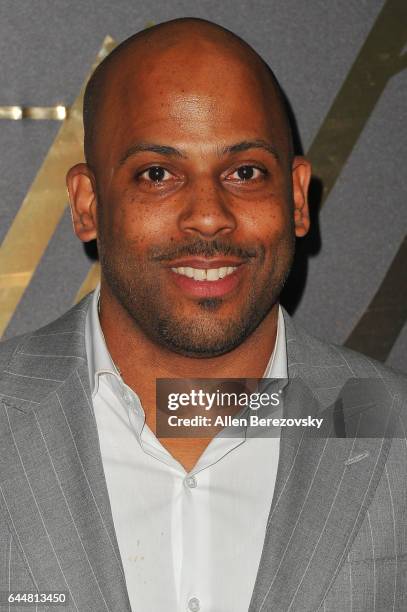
point(198, 328)
point(142, 285)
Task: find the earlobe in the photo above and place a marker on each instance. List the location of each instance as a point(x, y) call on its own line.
point(301, 175)
point(82, 199)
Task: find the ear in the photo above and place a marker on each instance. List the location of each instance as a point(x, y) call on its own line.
point(301, 176)
point(82, 198)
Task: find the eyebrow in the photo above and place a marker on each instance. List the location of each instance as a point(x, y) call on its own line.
point(168, 151)
point(245, 145)
point(141, 147)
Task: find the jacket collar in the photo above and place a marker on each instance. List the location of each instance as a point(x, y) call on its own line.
point(324, 483)
point(45, 359)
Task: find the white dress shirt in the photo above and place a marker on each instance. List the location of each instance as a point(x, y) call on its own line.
point(188, 541)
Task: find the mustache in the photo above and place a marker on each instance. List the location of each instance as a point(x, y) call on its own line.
point(205, 248)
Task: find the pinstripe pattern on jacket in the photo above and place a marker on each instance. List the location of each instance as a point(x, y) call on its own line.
point(336, 536)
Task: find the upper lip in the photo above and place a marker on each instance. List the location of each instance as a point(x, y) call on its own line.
point(205, 263)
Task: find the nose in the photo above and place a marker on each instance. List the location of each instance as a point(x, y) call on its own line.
point(207, 211)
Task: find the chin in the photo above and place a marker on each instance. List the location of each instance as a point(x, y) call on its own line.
point(203, 337)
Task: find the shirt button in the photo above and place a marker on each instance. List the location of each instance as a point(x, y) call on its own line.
point(191, 483)
point(194, 605)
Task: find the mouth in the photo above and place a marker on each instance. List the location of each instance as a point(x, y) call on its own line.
point(205, 274)
point(207, 277)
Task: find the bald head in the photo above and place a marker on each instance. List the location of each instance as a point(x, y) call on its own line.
point(189, 48)
point(189, 169)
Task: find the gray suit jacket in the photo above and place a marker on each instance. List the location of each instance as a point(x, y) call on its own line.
point(337, 530)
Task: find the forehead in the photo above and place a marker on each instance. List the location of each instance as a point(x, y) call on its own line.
point(189, 93)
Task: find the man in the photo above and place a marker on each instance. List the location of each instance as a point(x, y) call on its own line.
point(195, 197)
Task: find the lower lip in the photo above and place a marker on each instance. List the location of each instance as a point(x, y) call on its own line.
point(207, 288)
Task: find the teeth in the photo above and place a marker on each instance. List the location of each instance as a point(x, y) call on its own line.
point(199, 274)
point(210, 274)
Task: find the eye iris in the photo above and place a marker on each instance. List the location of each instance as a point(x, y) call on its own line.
point(156, 173)
point(245, 172)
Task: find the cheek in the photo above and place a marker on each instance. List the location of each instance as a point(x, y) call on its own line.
point(126, 217)
point(132, 227)
point(268, 222)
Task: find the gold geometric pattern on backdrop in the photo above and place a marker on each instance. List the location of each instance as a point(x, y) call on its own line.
point(42, 208)
point(378, 60)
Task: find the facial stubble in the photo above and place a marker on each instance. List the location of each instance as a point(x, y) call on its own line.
point(138, 286)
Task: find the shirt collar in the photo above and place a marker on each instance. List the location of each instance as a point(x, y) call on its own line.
point(277, 365)
point(100, 361)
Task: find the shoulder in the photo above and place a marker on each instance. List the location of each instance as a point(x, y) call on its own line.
point(67, 330)
point(308, 351)
point(9, 347)
point(361, 367)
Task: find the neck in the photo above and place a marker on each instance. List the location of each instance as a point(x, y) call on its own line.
point(142, 361)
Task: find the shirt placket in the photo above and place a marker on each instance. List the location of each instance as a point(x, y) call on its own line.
point(196, 542)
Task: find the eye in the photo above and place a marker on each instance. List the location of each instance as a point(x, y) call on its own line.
point(247, 173)
point(155, 174)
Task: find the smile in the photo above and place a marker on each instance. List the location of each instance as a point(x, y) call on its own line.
point(207, 282)
point(208, 274)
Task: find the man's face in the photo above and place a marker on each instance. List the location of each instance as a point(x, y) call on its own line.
point(194, 201)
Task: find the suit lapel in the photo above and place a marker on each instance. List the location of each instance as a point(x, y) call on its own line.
point(323, 487)
point(52, 484)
